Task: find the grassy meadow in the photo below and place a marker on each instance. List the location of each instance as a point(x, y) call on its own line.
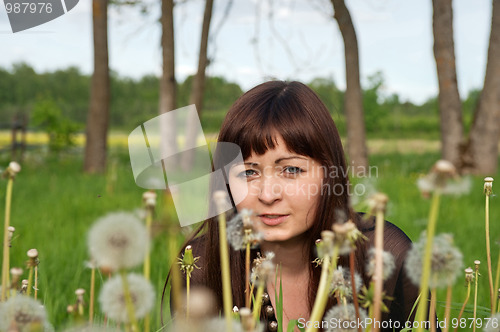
point(54, 205)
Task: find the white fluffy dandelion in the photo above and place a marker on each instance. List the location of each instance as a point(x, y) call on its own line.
point(23, 313)
point(240, 231)
point(263, 269)
point(446, 261)
point(345, 317)
point(388, 264)
point(341, 282)
point(112, 297)
point(118, 240)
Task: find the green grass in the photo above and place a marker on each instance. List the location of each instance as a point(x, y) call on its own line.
point(54, 205)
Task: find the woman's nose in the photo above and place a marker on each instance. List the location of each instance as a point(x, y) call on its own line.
point(270, 190)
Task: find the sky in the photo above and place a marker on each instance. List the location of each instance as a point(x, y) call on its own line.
point(263, 39)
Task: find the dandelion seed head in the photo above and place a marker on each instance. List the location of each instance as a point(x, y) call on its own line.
point(341, 282)
point(118, 240)
point(469, 274)
point(346, 236)
point(377, 202)
point(388, 264)
point(112, 297)
point(220, 198)
point(32, 253)
point(444, 177)
point(488, 186)
point(23, 312)
point(202, 303)
point(16, 271)
point(445, 167)
point(344, 315)
point(149, 195)
point(149, 198)
point(13, 168)
point(240, 231)
point(446, 261)
point(263, 268)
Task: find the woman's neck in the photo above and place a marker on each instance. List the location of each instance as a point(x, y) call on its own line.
point(292, 257)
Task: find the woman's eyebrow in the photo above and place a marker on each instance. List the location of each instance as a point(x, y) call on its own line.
point(251, 164)
point(288, 158)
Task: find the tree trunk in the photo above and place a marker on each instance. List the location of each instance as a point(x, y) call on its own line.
point(98, 116)
point(168, 83)
point(353, 102)
point(198, 88)
point(481, 152)
point(450, 105)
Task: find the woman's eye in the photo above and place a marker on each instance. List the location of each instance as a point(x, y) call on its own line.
point(247, 173)
point(293, 170)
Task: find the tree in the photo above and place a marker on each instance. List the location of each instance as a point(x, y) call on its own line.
point(168, 89)
point(450, 106)
point(480, 153)
point(98, 116)
point(353, 101)
point(198, 87)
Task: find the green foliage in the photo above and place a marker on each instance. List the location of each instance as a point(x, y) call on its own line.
point(375, 111)
point(61, 130)
point(134, 101)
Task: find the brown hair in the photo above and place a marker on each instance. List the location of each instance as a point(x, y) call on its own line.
point(294, 111)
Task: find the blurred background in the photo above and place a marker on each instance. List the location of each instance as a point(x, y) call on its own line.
point(406, 82)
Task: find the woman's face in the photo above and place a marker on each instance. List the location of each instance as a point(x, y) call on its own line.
point(280, 187)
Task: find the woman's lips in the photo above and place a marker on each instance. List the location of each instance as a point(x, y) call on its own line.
point(273, 220)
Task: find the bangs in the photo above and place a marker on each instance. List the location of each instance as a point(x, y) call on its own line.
point(256, 127)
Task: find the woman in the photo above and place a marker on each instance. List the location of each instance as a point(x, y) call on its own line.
point(296, 180)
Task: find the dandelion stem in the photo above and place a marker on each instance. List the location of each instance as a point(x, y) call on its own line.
point(258, 302)
point(432, 314)
point(147, 259)
point(128, 302)
point(327, 268)
point(188, 284)
point(247, 276)
point(175, 285)
point(463, 306)
point(475, 298)
point(30, 281)
point(447, 309)
point(426, 264)
point(353, 284)
point(378, 275)
point(497, 277)
point(36, 281)
point(175, 288)
point(92, 295)
point(488, 252)
point(5, 261)
point(226, 277)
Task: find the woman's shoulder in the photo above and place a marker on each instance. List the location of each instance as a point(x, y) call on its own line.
point(395, 239)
